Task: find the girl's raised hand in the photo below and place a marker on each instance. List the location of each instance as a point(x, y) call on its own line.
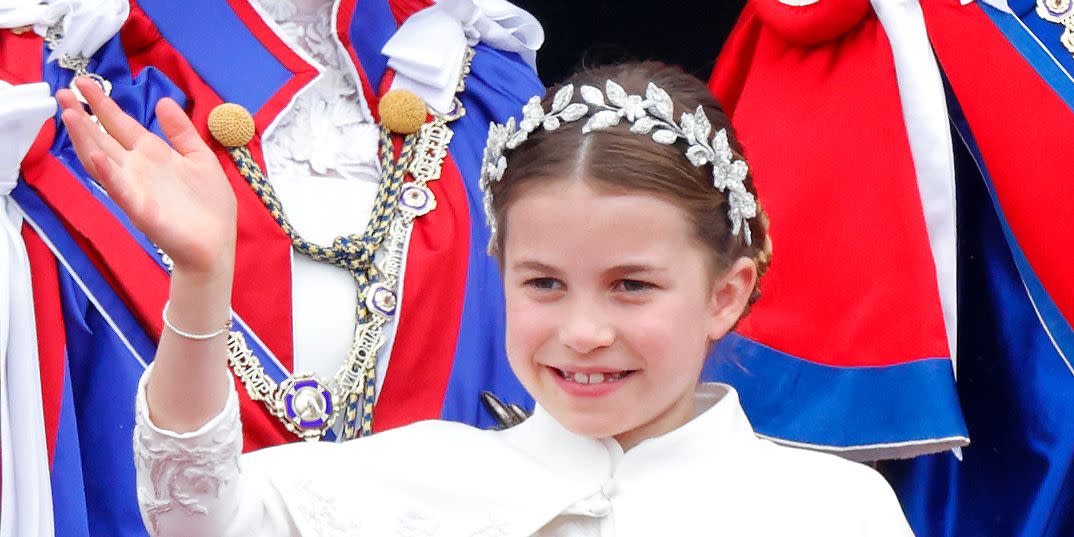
point(177, 195)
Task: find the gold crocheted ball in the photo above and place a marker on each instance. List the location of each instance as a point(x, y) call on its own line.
point(402, 111)
point(231, 125)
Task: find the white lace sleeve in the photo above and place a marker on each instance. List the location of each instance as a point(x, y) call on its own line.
point(189, 483)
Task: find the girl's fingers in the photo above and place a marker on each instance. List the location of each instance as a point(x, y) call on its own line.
point(67, 99)
point(117, 185)
point(83, 145)
point(119, 125)
point(178, 128)
point(106, 175)
point(72, 117)
point(87, 136)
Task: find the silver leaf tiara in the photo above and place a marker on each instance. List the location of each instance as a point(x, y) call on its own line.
point(652, 114)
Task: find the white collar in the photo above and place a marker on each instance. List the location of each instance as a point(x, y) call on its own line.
point(711, 472)
point(718, 432)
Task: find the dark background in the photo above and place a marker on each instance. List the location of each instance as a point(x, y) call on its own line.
point(592, 32)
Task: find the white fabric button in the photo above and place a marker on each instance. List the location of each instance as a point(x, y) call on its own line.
point(609, 489)
point(600, 507)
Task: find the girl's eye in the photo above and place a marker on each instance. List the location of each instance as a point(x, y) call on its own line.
point(633, 286)
point(544, 283)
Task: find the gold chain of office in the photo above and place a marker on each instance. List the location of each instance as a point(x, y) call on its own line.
point(307, 405)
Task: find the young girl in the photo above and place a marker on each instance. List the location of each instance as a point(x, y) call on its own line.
point(630, 239)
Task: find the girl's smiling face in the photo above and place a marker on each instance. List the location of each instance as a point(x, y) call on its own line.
point(612, 303)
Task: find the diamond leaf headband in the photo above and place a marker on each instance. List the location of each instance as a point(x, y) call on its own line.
point(650, 115)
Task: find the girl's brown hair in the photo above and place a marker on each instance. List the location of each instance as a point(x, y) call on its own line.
point(619, 159)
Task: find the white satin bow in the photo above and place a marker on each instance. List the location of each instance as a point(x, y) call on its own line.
point(87, 24)
point(23, 109)
point(427, 51)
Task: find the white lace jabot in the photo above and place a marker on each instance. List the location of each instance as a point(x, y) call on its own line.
point(327, 131)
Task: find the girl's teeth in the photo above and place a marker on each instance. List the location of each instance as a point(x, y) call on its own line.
point(592, 378)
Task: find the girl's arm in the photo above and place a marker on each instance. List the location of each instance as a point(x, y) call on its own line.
point(180, 198)
point(187, 436)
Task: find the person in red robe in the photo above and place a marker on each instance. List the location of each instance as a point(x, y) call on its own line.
point(844, 108)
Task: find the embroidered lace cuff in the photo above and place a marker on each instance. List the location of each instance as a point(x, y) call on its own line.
point(184, 479)
point(220, 421)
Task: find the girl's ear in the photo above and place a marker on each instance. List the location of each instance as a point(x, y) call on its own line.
point(730, 294)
